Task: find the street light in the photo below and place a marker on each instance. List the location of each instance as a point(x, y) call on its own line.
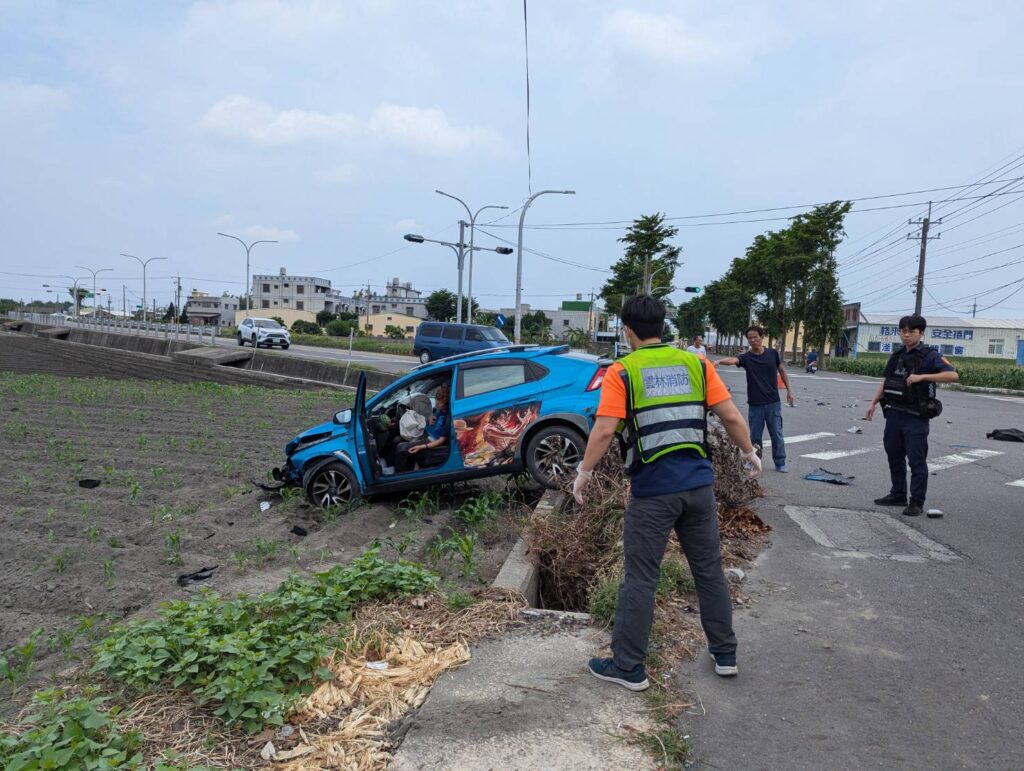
point(459, 250)
point(144, 263)
point(248, 248)
point(73, 288)
point(519, 258)
point(94, 272)
point(650, 279)
point(472, 233)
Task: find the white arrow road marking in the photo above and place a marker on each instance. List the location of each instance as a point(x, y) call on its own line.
point(1016, 483)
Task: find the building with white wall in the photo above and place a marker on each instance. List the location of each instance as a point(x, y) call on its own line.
point(950, 335)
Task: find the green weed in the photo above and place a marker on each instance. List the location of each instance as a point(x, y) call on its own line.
point(172, 548)
point(16, 663)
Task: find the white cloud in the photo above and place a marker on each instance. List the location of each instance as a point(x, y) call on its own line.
point(406, 225)
point(423, 130)
point(18, 99)
point(735, 38)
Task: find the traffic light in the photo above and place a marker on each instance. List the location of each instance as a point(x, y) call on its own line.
point(692, 289)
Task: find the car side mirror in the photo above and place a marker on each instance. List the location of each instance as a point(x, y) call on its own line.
point(343, 417)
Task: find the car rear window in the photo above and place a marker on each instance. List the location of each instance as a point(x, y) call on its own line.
point(430, 330)
point(452, 333)
point(482, 380)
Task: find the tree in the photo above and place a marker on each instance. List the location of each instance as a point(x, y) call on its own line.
point(325, 316)
point(279, 320)
point(648, 253)
point(690, 317)
point(169, 313)
point(824, 314)
point(577, 338)
point(7, 305)
point(441, 305)
point(394, 332)
point(243, 303)
point(536, 328)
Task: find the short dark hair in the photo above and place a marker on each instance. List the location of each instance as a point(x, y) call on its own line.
point(645, 315)
point(914, 322)
point(755, 328)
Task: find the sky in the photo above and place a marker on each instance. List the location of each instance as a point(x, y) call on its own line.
point(146, 128)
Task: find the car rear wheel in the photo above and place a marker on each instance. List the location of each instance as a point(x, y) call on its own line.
point(331, 485)
point(554, 453)
point(424, 356)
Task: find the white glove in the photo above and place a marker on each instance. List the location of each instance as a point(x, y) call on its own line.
point(582, 478)
point(751, 463)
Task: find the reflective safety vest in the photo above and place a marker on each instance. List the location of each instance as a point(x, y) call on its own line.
point(666, 404)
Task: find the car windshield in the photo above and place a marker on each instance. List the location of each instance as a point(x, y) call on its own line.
point(268, 324)
point(490, 333)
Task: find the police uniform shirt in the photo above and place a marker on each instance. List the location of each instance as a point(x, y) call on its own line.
point(931, 363)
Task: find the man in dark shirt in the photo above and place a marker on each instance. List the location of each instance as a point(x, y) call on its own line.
point(764, 369)
point(906, 429)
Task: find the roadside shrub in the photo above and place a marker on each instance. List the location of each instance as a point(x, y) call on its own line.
point(252, 656)
point(67, 733)
point(339, 328)
point(301, 327)
point(394, 332)
point(971, 374)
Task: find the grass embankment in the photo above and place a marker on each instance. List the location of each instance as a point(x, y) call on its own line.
point(366, 344)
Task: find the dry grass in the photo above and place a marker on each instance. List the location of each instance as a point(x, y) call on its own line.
point(345, 722)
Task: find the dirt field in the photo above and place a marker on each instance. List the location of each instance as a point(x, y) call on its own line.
point(176, 466)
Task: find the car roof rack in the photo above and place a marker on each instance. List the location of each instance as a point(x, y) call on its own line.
point(504, 349)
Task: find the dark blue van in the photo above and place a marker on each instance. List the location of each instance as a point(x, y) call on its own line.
point(438, 339)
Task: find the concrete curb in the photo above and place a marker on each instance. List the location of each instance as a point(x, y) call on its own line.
point(519, 573)
point(983, 390)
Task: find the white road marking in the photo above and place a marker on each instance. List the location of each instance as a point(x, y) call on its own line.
point(833, 454)
point(1014, 399)
point(800, 438)
point(959, 458)
point(1016, 483)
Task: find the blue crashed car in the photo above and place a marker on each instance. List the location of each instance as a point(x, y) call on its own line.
point(513, 408)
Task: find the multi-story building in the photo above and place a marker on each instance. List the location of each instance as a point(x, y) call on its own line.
point(202, 308)
point(570, 315)
point(398, 298)
point(298, 296)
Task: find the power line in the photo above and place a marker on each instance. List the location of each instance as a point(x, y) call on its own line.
point(545, 256)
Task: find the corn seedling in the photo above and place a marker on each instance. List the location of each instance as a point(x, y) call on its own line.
point(50, 513)
point(24, 485)
point(108, 570)
point(49, 535)
point(158, 474)
point(172, 548)
point(143, 441)
point(295, 552)
point(92, 533)
point(16, 663)
point(59, 561)
point(115, 543)
point(134, 489)
point(419, 505)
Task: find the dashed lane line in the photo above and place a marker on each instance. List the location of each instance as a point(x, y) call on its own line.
point(801, 438)
point(1016, 483)
point(960, 458)
point(834, 454)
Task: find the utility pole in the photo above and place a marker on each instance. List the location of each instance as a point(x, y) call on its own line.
point(925, 224)
point(974, 310)
point(367, 306)
point(177, 300)
point(124, 301)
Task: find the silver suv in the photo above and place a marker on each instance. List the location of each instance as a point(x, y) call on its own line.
point(266, 332)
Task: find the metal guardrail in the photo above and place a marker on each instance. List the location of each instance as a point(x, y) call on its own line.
point(203, 335)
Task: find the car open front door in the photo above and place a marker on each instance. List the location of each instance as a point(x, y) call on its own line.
point(360, 433)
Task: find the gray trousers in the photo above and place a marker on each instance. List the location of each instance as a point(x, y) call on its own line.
point(649, 522)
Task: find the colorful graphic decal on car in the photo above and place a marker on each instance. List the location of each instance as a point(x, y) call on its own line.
point(490, 438)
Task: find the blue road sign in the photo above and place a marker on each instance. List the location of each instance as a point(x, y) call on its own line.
point(499, 320)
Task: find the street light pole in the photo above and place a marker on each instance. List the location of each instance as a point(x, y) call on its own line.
point(472, 234)
point(74, 290)
point(649, 280)
point(248, 248)
point(144, 263)
point(519, 258)
point(94, 272)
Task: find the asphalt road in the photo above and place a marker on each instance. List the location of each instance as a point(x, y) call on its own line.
point(385, 362)
point(877, 640)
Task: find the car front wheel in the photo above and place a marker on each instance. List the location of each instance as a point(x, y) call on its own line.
point(240, 340)
point(553, 454)
point(284, 346)
point(331, 485)
point(424, 356)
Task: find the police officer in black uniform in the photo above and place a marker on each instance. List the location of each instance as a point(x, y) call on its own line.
point(907, 395)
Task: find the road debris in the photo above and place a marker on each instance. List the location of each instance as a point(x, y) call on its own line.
point(832, 477)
